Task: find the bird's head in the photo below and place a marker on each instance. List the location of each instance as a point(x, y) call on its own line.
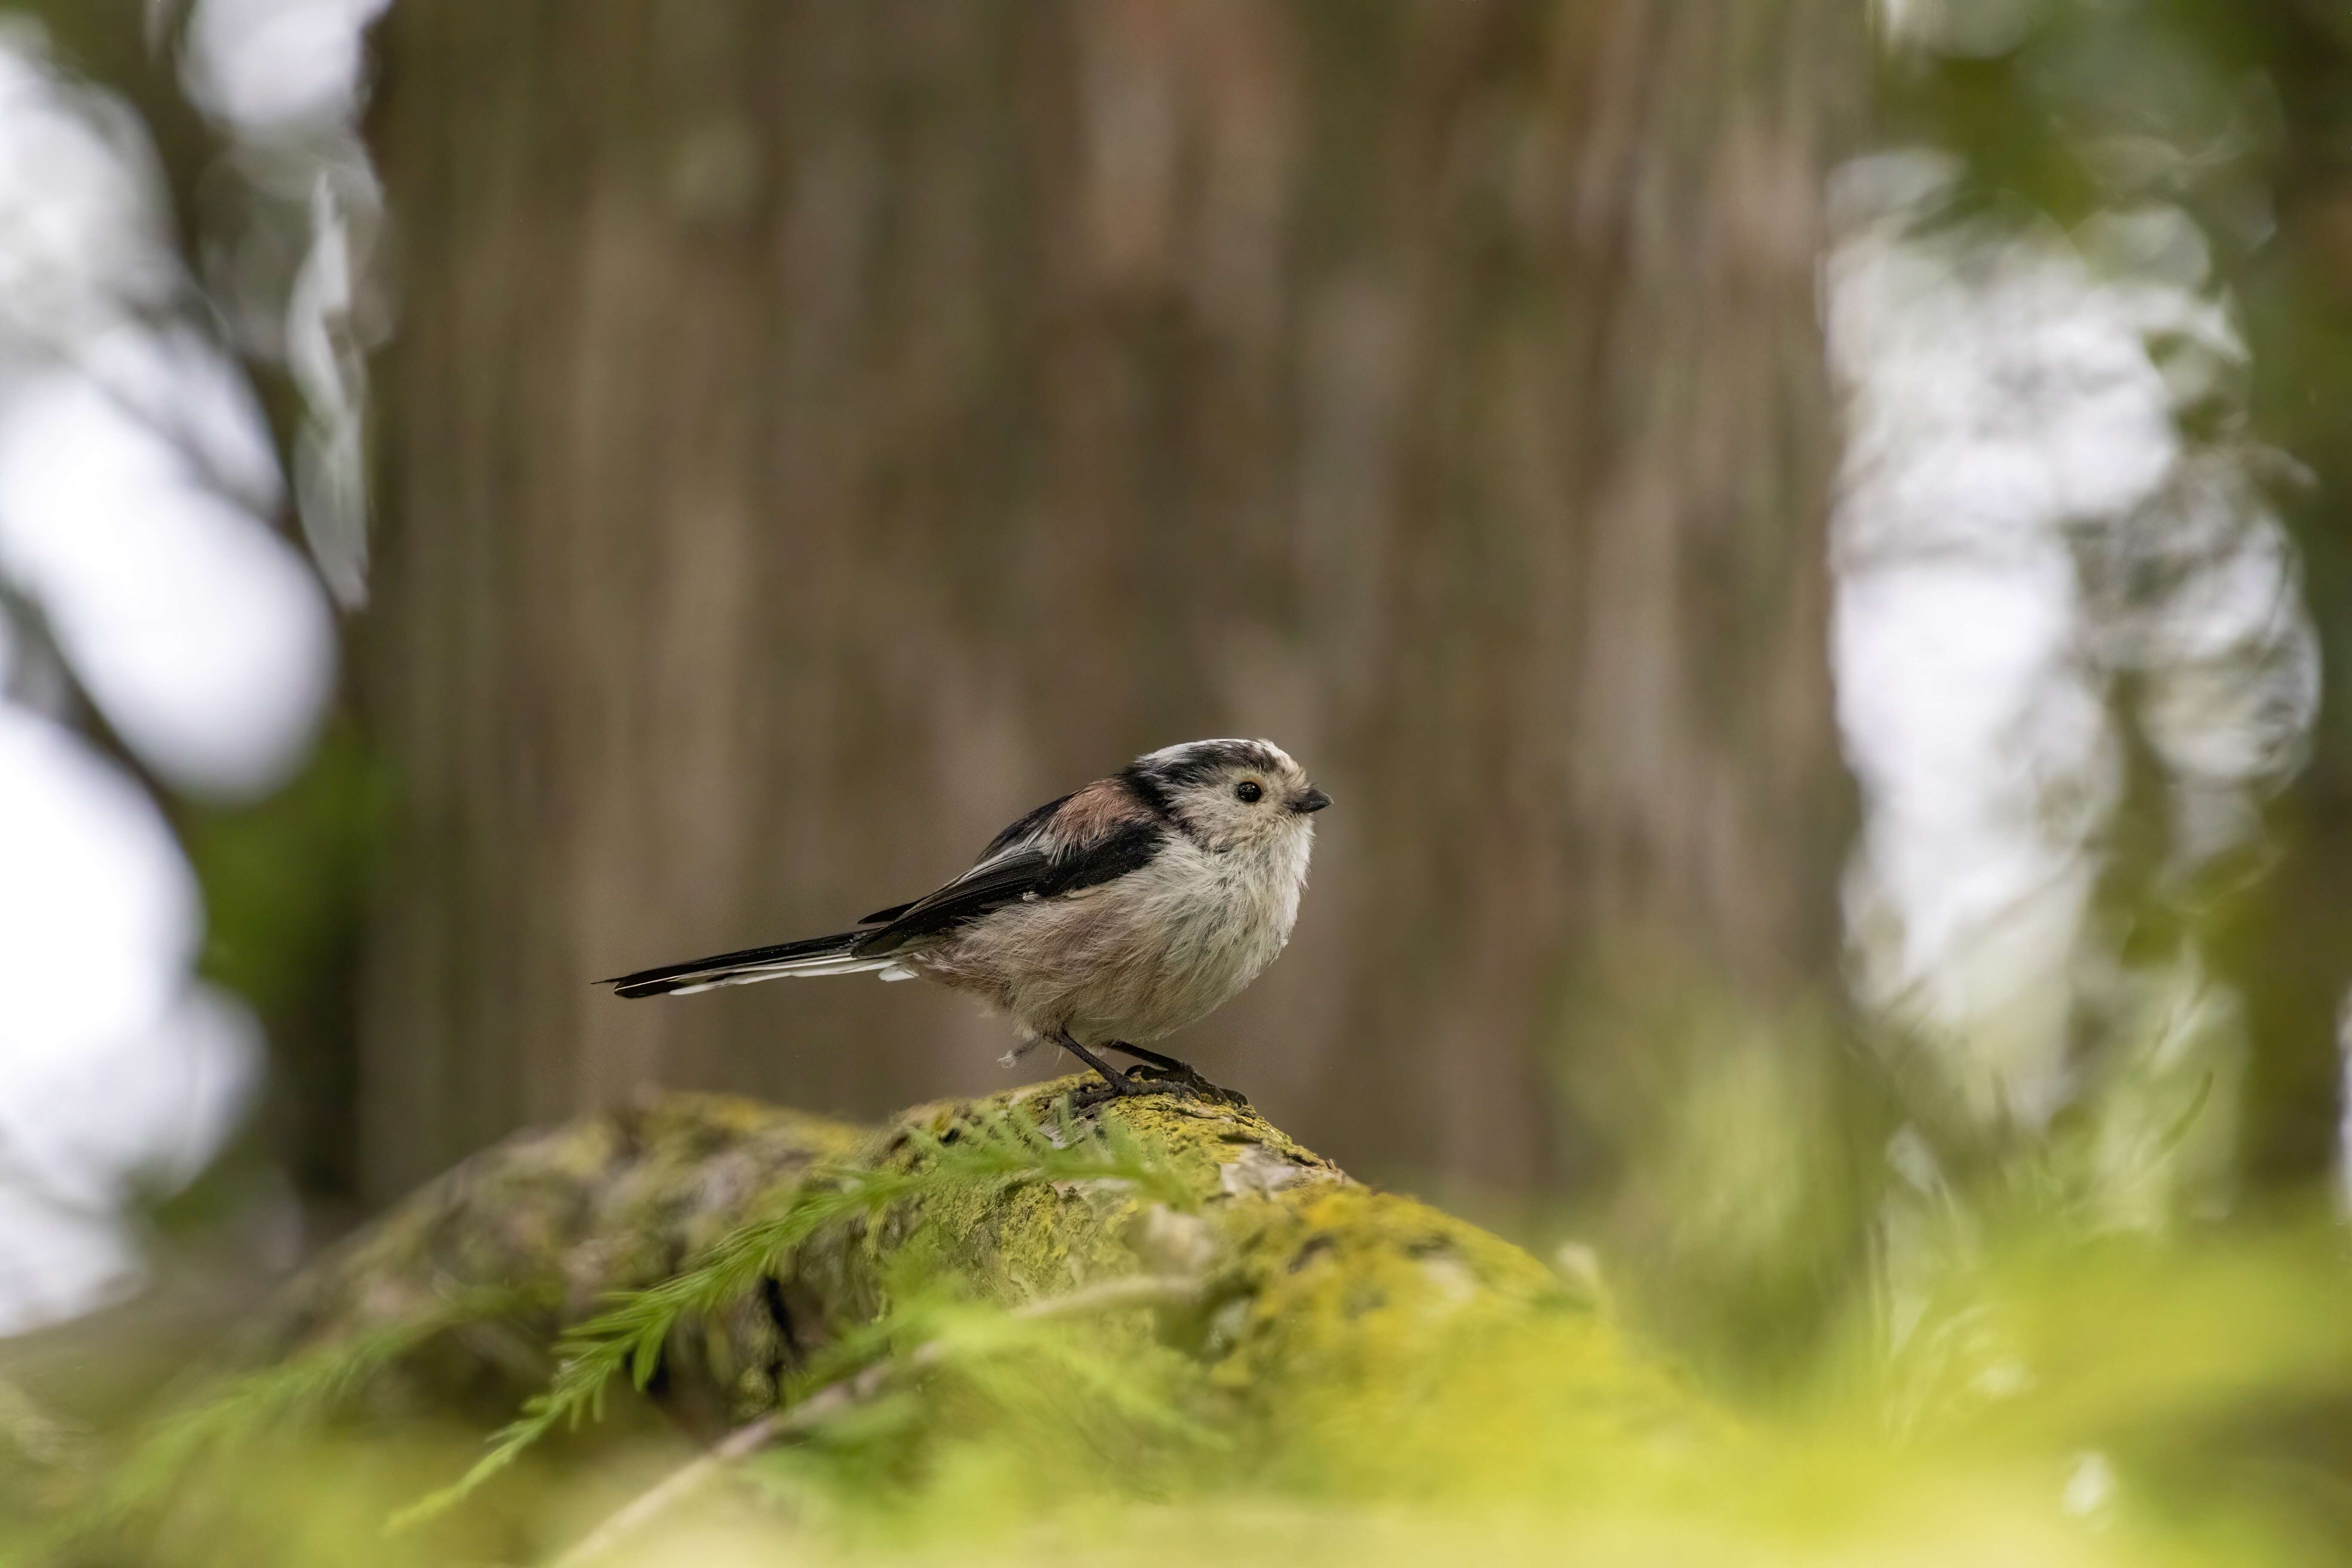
point(1231, 795)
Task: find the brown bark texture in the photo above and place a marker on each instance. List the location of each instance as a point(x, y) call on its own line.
point(821, 432)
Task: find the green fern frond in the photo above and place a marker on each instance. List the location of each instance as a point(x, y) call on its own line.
point(635, 1327)
point(224, 1415)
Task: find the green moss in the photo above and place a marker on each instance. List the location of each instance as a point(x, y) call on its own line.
point(1387, 1349)
point(1328, 1312)
point(1022, 1240)
point(1356, 1377)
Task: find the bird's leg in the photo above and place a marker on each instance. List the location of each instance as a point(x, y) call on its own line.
point(1165, 1064)
point(1159, 1068)
point(1165, 1075)
point(1113, 1085)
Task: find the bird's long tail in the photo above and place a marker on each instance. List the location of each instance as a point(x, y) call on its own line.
point(832, 954)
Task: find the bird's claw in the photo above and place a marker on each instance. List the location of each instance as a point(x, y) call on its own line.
point(1102, 1091)
point(1153, 1074)
point(1140, 1080)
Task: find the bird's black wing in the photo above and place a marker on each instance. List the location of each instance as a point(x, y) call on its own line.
point(1027, 827)
point(1031, 826)
point(1025, 871)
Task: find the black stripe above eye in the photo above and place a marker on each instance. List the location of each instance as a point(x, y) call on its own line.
point(1145, 788)
point(1203, 760)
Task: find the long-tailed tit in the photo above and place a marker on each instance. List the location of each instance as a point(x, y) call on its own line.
point(1113, 916)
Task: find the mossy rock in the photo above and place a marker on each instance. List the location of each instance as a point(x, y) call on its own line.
point(1350, 1335)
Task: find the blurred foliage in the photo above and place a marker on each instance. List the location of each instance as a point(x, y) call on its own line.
point(286, 885)
point(285, 880)
point(2059, 1401)
point(1939, 1351)
point(2236, 115)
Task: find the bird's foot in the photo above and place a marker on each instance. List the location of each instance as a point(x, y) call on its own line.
point(1185, 1081)
point(1102, 1091)
point(1154, 1074)
point(1174, 1077)
point(1109, 1084)
point(1139, 1081)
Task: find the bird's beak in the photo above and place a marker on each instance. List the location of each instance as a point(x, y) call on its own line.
point(1313, 801)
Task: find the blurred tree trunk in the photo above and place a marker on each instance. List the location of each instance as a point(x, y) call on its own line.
point(820, 432)
point(2289, 947)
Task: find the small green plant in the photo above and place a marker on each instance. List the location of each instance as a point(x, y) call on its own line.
point(216, 1421)
point(630, 1334)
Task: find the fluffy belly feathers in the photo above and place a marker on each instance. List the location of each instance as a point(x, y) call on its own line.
point(1133, 959)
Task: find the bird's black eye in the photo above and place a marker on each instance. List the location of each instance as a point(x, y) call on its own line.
point(1249, 790)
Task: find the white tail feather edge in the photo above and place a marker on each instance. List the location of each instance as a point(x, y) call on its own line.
point(889, 969)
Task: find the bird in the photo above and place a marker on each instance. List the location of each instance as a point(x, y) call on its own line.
point(1105, 920)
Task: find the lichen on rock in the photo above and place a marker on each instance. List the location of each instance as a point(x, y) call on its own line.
point(1346, 1337)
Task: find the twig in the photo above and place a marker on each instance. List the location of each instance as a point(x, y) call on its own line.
point(1138, 1291)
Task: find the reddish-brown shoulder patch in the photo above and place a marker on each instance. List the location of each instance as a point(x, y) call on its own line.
point(1094, 812)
